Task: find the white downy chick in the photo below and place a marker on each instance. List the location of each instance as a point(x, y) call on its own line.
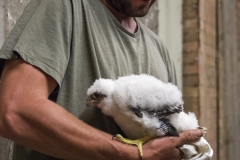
point(142, 105)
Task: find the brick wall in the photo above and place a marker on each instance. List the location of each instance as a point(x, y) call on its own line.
point(207, 69)
point(191, 45)
point(199, 67)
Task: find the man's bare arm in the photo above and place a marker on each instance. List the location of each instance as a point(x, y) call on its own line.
point(29, 118)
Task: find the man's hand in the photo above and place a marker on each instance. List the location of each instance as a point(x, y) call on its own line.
point(166, 148)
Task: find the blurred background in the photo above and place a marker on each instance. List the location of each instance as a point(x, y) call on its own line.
point(203, 37)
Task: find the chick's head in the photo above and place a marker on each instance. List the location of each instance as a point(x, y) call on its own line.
point(100, 95)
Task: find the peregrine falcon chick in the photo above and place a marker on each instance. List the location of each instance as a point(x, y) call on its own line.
point(143, 106)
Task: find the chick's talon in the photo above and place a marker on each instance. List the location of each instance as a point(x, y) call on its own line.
point(204, 129)
point(138, 142)
point(114, 136)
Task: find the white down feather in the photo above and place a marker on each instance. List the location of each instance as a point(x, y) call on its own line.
point(146, 92)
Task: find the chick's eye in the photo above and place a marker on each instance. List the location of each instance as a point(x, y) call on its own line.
point(96, 95)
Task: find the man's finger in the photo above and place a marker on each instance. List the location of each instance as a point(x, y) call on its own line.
point(190, 136)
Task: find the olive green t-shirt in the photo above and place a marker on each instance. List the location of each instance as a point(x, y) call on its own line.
point(76, 42)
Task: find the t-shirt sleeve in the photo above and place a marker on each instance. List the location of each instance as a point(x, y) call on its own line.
point(172, 72)
point(42, 37)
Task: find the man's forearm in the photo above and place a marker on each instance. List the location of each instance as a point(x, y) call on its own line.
point(46, 127)
point(29, 118)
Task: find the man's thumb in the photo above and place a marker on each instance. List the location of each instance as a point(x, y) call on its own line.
point(190, 136)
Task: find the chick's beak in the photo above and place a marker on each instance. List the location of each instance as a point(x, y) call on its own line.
point(91, 103)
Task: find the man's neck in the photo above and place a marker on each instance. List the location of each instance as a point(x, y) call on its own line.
point(128, 23)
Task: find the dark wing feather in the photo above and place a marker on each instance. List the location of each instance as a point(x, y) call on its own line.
point(167, 127)
point(165, 111)
point(136, 111)
point(160, 113)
